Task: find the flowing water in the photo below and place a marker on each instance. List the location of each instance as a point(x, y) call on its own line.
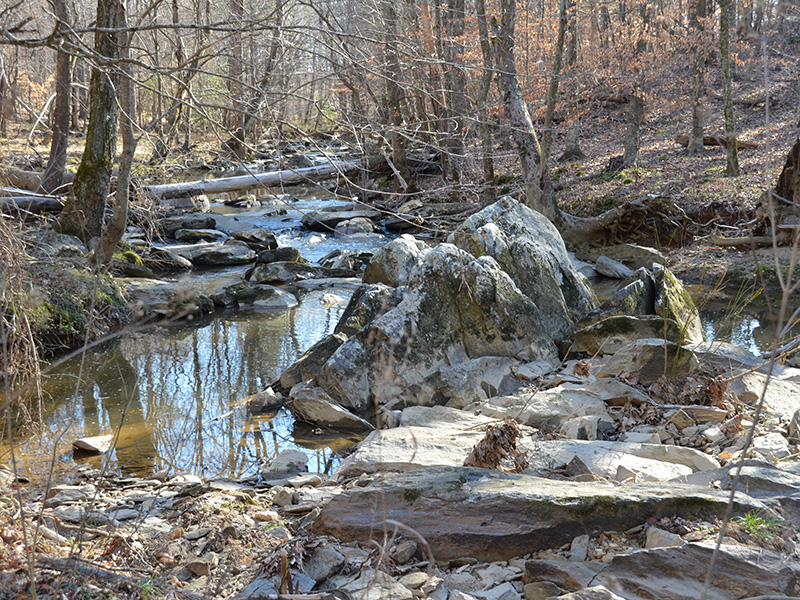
point(174, 395)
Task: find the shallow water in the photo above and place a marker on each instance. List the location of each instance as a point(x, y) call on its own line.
point(179, 392)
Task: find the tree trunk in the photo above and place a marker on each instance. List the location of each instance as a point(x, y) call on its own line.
point(573, 150)
point(487, 141)
point(394, 96)
point(552, 92)
point(115, 227)
point(53, 176)
point(85, 208)
point(732, 165)
point(633, 133)
point(538, 194)
point(697, 14)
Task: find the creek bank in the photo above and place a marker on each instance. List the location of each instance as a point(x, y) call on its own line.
point(620, 465)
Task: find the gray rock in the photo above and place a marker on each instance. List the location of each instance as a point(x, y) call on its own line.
point(462, 384)
point(366, 304)
point(250, 295)
point(314, 405)
point(286, 463)
point(570, 576)
point(53, 244)
point(443, 417)
point(579, 548)
point(456, 308)
point(740, 572)
point(287, 272)
point(396, 261)
point(650, 358)
point(98, 444)
point(191, 236)
point(283, 254)
point(163, 297)
point(504, 591)
point(616, 393)
point(307, 366)
point(257, 239)
point(541, 590)
point(544, 407)
point(658, 538)
point(496, 516)
point(596, 592)
point(169, 225)
point(632, 255)
point(346, 259)
point(323, 563)
point(610, 334)
point(782, 398)
point(370, 585)
point(612, 268)
point(69, 494)
point(354, 226)
point(674, 302)
point(327, 220)
point(217, 254)
point(530, 249)
point(164, 259)
point(771, 446)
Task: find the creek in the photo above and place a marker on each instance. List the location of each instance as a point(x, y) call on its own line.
point(176, 395)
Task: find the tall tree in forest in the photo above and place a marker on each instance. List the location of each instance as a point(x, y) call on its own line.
point(732, 166)
point(113, 230)
point(538, 189)
point(555, 76)
point(483, 94)
point(54, 171)
point(85, 207)
point(697, 14)
point(573, 150)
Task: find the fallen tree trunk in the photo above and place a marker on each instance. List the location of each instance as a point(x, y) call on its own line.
point(25, 180)
point(257, 180)
point(14, 200)
point(716, 140)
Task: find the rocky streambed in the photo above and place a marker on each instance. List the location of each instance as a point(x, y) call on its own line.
point(523, 440)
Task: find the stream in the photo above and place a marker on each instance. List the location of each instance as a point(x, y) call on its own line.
point(176, 395)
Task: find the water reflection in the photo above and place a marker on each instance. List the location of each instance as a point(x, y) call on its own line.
point(173, 396)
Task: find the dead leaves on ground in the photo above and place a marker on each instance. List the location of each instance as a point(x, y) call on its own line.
point(499, 445)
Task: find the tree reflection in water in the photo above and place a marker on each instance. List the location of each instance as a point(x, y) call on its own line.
point(179, 390)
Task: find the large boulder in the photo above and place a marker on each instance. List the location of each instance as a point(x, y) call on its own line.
point(650, 304)
point(456, 308)
point(169, 225)
point(395, 262)
point(530, 249)
point(288, 272)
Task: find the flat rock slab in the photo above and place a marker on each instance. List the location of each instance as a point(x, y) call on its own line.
point(490, 515)
point(98, 444)
point(679, 573)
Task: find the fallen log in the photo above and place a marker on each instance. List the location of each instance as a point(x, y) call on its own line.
point(716, 140)
point(257, 180)
point(743, 101)
point(15, 200)
point(25, 180)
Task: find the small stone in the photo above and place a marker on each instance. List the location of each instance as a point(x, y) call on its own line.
point(288, 462)
point(658, 538)
point(579, 548)
point(99, 444)
point(323, 563)
point(175, 533)
point(266, 516)
point(624, 474)
point(231, 532)
point(308, 480)
point(459, 595)
point(504, 591)
point(612, 268)
point(713, 434)
point(541, 590)
point(199, 566)
point(196, 534)
point(403, 552)
point(281, 496)
point(771, 446)
point(414, 581)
